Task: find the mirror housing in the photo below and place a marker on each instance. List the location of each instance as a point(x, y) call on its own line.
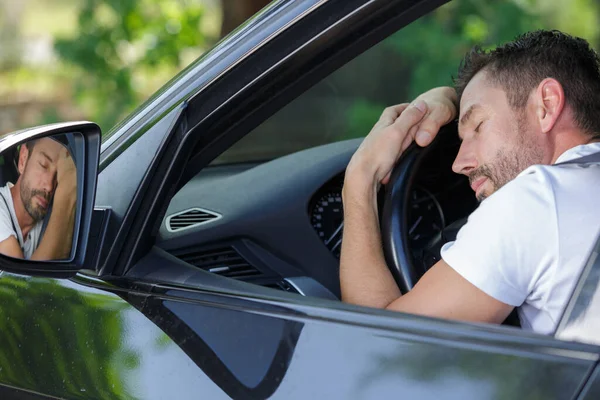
point(86, 140)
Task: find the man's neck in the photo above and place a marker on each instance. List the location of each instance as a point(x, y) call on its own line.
point(23, 218)
point(567, 142)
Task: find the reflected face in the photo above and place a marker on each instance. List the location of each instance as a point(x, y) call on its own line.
point(38, 179)
point(498, 142)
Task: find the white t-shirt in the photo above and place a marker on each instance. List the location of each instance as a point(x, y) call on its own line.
point(527, 243)
point(9, 226)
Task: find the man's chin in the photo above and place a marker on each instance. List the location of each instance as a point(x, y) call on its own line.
point(38, 214)
point(483, 194)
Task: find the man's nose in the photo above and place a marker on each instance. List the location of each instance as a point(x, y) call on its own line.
point(465, 159)
point(48, 181)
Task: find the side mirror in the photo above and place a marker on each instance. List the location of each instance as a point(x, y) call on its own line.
point(47, 192)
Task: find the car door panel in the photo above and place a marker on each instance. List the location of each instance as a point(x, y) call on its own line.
point(592, 388)
point(68, 340)
point(84, 338)
point(310, 352)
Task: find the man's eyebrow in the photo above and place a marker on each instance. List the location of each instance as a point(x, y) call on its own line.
point(465, 118)
point(47, 156)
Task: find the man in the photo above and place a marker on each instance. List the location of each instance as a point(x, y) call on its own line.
point(525, 108)
point(47, 176)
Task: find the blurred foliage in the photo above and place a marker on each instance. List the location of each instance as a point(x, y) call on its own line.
point(420, 56)
point(431, 48)
point(112, 54)
point(117, 40)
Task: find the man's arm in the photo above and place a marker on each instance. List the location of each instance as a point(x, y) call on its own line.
point(364, 277)
point(10, 247)
point(58, 237)
point(444, 293)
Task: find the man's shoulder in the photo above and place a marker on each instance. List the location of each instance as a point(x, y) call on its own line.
point(551, 185)
point(532, 191)
point(7, 226)
point(540, 200)
point(5, 199)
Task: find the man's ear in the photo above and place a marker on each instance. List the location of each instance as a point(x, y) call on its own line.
point(23, 156)
point(550, 103)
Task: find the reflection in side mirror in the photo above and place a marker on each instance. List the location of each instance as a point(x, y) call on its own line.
point(38, 197)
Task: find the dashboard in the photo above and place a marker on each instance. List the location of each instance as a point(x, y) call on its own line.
point(326, 212)
point(277, 222)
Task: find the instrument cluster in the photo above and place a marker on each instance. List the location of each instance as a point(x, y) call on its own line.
point(326, 212)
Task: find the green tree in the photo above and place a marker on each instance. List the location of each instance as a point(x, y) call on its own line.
point(119, 41)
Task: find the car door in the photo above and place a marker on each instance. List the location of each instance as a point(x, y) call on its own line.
point(84, 338)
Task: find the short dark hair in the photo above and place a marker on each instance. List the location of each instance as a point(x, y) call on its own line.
point(30, 145)
point(519, 66)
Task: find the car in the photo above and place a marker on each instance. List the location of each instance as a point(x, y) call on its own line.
point(194, 278)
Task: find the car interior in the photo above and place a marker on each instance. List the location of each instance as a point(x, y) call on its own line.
point(266, 216)
point(268, 210)
point(278, 224)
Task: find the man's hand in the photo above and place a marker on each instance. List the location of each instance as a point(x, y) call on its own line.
point(397, 127)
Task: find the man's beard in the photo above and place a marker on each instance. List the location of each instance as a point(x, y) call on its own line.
point(37, 213)
point(509, 163)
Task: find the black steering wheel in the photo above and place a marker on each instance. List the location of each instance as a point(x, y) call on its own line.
point(395, 210)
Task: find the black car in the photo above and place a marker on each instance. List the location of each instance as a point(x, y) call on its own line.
point(195, 278)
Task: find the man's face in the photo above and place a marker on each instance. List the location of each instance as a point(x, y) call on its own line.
point(38, 177)
point(498, 142)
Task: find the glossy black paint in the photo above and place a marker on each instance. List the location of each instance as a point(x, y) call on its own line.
point(592, 388)
point(103, 341)
point(103, 335)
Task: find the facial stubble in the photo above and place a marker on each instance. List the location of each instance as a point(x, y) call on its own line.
point(510, 162)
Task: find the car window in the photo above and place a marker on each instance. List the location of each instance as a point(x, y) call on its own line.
point(581, 320)
point(420, 56)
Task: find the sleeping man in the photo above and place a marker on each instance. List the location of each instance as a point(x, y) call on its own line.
point(529, 123)
point(47, 180)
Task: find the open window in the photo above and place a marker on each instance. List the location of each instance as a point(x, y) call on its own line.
point(250, 205)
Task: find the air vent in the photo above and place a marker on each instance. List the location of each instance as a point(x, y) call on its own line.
point(223, 261)
point(190, 218)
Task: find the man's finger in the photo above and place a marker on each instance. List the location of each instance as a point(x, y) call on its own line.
point(411, 116)
point(410, 137)
point(390, 114)
point(431, 125)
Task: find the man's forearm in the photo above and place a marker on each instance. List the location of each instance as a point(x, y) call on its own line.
point(364, 276)
point(58, 237)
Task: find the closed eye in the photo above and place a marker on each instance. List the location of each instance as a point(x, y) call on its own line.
point(478, 126)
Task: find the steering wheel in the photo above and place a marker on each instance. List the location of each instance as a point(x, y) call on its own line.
point(395, 210)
